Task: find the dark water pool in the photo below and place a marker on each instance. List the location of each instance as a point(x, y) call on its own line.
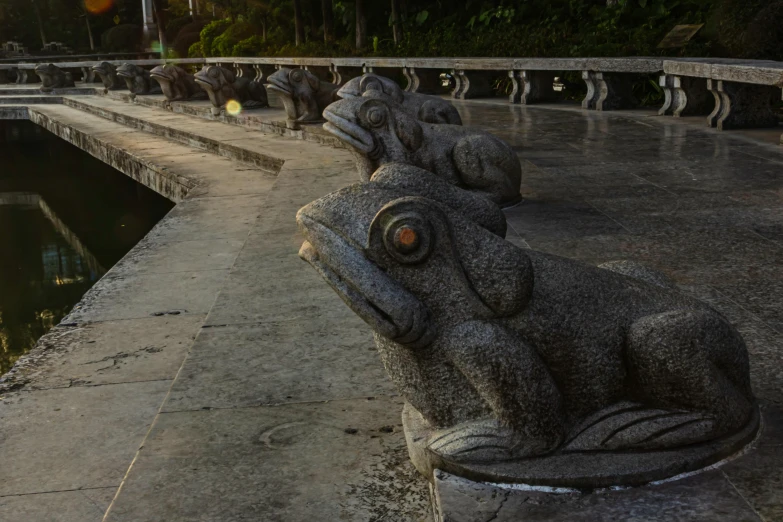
point(65, 219)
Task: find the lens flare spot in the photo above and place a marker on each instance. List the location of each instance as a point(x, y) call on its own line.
point(233, 107)
point(98, 6)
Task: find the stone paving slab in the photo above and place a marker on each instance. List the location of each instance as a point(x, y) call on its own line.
point(85, 505)
point(279, 362)
point(112, 352)
point(336, 460)
point(74, 438)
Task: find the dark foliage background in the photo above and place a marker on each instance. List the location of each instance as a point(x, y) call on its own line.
point(733, 28)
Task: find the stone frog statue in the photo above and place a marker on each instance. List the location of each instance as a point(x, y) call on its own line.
point(512, 354)
point(108, 75)
point(380, 131)
point(426, 108)
point(303, 94)
point(176, 83)
point(52, 77)
point(223, 85)
point(137, 79)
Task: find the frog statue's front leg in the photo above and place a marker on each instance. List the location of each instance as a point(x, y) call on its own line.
point(518, 388)
point(488, 165)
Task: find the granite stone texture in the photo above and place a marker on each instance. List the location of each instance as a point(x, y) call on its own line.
point(523, 366)
point(707, 497)
point(176, 83)
point(108, 75)
point(52, 77)
point(137, 79)
point(304, 96)
point(222, 86)
point(424, 107)
point(379, 130)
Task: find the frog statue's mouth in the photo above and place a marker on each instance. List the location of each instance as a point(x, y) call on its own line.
point(341, 121)
point(207, 83)
point(161, 74)
point(385, 305)
point(125, 72)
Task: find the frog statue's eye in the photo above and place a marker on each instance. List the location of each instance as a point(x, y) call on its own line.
point(408, 238)
point(214, 72)
point(297, 76)
point(373, 85)
point(376, 116)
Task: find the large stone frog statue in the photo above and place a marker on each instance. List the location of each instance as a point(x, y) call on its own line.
point(512, 358)
point(176, 83)
point(137, 79)
point(52, 77)
point(424, 107)
point(108, 75)
point(380, 131)
point(303, 94)
point(222, 86)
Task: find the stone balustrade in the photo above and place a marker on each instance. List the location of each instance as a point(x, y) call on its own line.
point(733, 94)
point(730, 93)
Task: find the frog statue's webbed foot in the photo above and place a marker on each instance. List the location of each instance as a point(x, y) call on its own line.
point(485, 440)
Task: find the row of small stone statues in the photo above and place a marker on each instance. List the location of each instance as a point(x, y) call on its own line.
point(304, 95)
point(515, 365)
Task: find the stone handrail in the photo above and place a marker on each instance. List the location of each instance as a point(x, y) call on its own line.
point(72, 57)
point(731, 93)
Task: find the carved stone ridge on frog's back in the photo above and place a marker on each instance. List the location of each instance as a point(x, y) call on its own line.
point(137, 79)
point(379, 131)
point(222, 86)
point(177, 84)
point(519, 366)
point(424, 107)
point(52, 77)
point(108, 75)
point(303, 94)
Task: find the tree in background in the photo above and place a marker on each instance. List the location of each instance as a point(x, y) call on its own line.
point(361, 25)
point(298, 23)
point(327, 15)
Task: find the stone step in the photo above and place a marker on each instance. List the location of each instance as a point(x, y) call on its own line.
point(35, 90)
point(183, 129)
point(263, 150)
point(29, 99)
point(270, 119)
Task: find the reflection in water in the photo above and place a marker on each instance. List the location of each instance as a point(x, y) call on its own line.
point(65, 218)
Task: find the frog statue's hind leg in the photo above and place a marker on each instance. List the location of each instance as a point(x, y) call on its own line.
point(694, 363)
point(515, 383)
point(488, 165)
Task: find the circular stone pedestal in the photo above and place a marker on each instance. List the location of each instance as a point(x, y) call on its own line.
point(581, 470)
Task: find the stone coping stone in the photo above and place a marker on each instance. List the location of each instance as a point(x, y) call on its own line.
point(297, 61)
point(74, 65)
point(581, 470)
point(54, 59)
point(25, 99)
point(34, 92)
point(761, 72)
point(629, 65)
